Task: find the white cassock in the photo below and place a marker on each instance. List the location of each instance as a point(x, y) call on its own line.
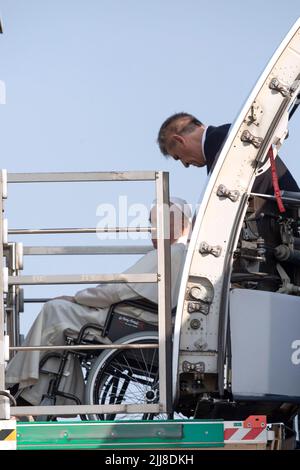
point(91, 306)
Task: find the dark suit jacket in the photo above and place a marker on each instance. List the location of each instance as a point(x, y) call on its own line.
point(214, 139)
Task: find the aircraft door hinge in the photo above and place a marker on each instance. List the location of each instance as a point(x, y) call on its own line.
point(231, 194)
point(282, 88)
point(206, 249)
point(251, 139)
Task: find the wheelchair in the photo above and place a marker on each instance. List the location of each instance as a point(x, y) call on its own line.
point(111, 376)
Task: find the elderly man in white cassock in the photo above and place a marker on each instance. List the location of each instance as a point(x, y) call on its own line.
point(91, 306)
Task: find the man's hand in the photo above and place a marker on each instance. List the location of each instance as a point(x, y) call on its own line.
point(66, 297)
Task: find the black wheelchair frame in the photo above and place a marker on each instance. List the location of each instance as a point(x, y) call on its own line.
point(117, 326)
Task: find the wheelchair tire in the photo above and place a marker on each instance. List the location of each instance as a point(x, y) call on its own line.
point(128, 376)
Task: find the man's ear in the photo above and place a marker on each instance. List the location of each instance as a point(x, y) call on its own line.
point(178, 138)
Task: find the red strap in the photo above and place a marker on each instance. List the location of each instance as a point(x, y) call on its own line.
point(275, 181)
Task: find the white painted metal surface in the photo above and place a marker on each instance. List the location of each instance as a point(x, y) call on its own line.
point(265, 344)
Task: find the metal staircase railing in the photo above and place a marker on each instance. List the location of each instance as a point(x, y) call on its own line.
point(11, 255)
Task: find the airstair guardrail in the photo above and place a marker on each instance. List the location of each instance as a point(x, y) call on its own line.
point(10, 279)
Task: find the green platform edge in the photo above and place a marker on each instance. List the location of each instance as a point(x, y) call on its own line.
point(163, 434)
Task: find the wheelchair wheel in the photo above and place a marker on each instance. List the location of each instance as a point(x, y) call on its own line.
point(128, 376)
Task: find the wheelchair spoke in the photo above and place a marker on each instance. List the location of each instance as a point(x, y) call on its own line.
point(128, 377)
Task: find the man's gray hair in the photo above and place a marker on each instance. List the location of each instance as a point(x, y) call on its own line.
point(171, 125)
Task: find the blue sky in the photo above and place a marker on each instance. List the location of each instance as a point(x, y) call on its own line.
point(88, 84)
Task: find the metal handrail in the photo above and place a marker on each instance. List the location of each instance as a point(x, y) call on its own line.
point(65, 177)
point(85, 347)
point(84, 409)
point(162, 277)
point(87, 250)
point(40, 279)
point(23, 231)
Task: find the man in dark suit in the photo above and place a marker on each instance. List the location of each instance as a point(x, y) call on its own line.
point(185, 138)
